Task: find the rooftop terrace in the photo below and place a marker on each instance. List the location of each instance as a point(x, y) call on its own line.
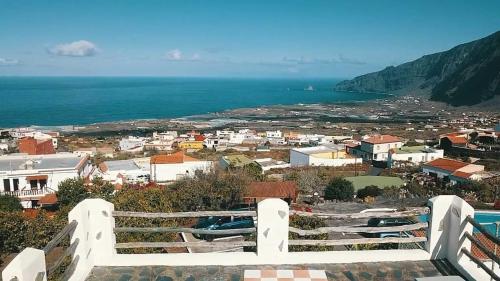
point(95, 254)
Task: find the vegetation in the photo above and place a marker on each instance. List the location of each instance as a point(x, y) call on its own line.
point(369, 191)
point(339, 189)
point(10, 203)
point(307, 223)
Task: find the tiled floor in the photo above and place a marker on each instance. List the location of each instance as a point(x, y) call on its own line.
point(358, 271)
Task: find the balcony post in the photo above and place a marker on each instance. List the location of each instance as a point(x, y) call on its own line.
point(272, 228)
point(26, 266)
point(95, 234)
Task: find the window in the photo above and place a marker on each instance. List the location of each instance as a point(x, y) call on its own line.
point(34, 184)
point(15, 183)
point(410, 158)
point(43, 183)
point(6, 184)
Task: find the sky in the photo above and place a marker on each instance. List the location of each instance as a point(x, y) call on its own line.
point(212, 38)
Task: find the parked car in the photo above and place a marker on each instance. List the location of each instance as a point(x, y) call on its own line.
point(222, 223)
point(387, 222)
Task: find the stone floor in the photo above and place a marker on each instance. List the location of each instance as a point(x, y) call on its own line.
point(383, 271)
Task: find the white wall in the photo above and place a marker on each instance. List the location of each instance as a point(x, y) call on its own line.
point(172, 172)
point(298, 159)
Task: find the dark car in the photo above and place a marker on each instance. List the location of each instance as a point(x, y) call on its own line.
point(387, 222)
point(222, 223)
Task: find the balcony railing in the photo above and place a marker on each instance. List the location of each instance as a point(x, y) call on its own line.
point(93, 240)
point(28, 192)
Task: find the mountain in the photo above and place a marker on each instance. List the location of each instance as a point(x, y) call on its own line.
point(467, 74)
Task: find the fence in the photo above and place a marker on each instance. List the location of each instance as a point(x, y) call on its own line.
point(93, 240)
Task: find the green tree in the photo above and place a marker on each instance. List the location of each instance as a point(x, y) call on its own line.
point(371, 190)
point(71, 192)
point(12, 232)
point(339, 189)
point(101, 189)
point(10, 203)
point(151, 200)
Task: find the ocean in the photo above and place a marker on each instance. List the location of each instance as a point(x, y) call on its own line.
point(53, 101)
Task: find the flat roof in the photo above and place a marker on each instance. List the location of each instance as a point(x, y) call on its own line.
point(40, 162)
point(237, 159)
point(413, 149)
point(119, 165)
point(320, 149)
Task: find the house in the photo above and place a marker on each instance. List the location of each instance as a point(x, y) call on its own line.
point(413, 155)
point(453, 171)
point(132, 144)
point(32, 146)
point(30, 177)
point(215, 142)
point(235, 161)
point(377, 147)
point(274, 134)
point(122, 171)
point(190, 145)
point(453, 139)
point(268, 163)
point(174, 166)
point(323, 155)
point(258, 191)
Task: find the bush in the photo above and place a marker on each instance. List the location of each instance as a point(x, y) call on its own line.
point(339, 189)
point(71, 192)
point(151, 200)
point(10, 203)
point(371, 190)
point(308, 223)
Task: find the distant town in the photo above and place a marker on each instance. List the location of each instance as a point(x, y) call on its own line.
point(396, 143)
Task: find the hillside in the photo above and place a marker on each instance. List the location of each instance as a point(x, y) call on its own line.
point(467, 74)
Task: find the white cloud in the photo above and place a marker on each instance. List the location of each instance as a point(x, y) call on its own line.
point(8, 62)
point(81, 48)
point(174, 54)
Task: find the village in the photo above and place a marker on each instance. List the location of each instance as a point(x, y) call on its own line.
point(457, 152)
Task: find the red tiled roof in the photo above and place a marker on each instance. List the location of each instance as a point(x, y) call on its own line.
point(378, 139)
point(447, 164)
point(274, 189)
point(457, 140)
point(199, 138)
point(174, 158)
point(461, 174)
point(49, 199)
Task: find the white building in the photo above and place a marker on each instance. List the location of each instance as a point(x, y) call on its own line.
point(268, 163)
point(30, 177)
point(377, 147)
point(132, 144)
point(122, 171)
point(323, 155)
point(171, 167)
point(413, 155)
point(20, 133)
point(274, 134)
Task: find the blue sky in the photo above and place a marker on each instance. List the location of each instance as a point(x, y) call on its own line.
point(231, 38)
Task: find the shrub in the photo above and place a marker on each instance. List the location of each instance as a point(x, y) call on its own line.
point(371, 190)
point(339, 189)
point(71, 192)
point(10, 203)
